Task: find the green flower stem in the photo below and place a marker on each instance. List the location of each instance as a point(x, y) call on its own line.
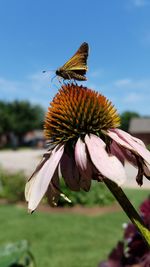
point(128, 208)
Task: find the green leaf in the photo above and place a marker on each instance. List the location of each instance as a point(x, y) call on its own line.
point(16, 255)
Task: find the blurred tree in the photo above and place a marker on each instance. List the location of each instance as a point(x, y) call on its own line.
point(19, 117)
point(24, 116)
point(5, 122)
point(126, 117)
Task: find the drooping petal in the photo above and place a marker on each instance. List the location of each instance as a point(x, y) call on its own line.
point(138, 141)
point(70, 172)
point(108, 165)
point(117, 151)
point(81, 155)
point(45, 157)
point(123, 154)
point(28, 188)
point(146, 168)
point(96, 175)
point(53, 192)
point(137, 146)
point(129, 156)
point(84, 165)
point(124, 138)
point(113, 135)
point(140, 174)
point(37, 186)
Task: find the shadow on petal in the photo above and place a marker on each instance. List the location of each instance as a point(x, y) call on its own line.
point(70, 172)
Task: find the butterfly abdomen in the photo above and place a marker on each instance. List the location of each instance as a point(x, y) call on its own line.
point(68, 74)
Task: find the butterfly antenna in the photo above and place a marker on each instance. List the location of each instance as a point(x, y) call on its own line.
point(44, 71)
point(53, 78)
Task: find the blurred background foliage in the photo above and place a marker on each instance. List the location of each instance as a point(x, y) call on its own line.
point(12, 186)
point(17, 118)
point(20, 117)
point(98, 195)
point(12, 189)
point(126, 117)
point(16, 255)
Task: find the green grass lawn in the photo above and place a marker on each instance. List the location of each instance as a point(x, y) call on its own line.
point(65, 240)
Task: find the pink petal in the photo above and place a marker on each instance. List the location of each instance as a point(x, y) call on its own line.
point(37, 186)
point(136, 146)
point(146, 168)
point(138, 141)
point(70, 172)
point(117, 151)
point(123, 154)
point(84, 165)
point(53, 192)
point(46, 156)
point(118, 140)
point(107, 165)
point(28, 188)
point(81, 155)
point(129, 156)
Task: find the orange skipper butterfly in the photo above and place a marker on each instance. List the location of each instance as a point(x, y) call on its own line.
point(76, 67)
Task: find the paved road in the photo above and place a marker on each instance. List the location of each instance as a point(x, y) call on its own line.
point(26, 160)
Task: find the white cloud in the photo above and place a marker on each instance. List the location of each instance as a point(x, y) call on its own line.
point(123, 82)
point(8, 85)
point(96, 73)
point(128, 94)
point(126, 83)
point(140, 3)
point(133, 97)
point(35, 88)
point(38, 81)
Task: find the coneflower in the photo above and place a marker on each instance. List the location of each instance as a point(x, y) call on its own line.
point(85, 144)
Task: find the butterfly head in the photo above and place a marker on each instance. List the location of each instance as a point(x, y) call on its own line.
point(58, 72)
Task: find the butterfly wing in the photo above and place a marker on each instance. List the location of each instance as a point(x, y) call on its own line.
point(76, 67)
point(78, 61)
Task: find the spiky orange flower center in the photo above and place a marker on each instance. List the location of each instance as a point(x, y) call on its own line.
point(76, 111)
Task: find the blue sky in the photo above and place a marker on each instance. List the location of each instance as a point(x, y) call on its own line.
point(43, 34)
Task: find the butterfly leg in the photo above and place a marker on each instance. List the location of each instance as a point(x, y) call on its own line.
point(69, 78)
point(60, 80)
point(53, 78)
point(75, 82)
point(64, 81)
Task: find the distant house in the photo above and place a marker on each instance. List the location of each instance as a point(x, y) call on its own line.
point(140, 128)
point(34, 139)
